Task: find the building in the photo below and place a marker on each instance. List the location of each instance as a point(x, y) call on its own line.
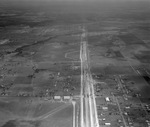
point(107, 99)
point(105, 108)
point(57, 97)
point(107, 124)
point(67, 97)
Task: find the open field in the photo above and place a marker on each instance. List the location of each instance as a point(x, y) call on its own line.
point(34, 112)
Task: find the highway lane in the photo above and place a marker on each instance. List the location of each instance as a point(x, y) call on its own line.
point(74, 113)
point(88, 109)
point(81, 92)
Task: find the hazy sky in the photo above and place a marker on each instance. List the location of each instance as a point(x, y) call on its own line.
point(75, 0)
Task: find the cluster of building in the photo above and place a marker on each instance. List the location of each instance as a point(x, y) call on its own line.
point(62, 98)
point(118, 107)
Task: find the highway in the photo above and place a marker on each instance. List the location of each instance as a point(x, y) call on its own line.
point(74, 112)
point(88, 110)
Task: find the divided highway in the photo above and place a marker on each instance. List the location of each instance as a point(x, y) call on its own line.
point(88, 110)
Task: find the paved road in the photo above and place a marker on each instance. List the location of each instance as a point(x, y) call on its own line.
point(88, 110)
point(74, 113)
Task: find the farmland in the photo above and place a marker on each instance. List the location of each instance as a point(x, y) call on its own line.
point(42, 48)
